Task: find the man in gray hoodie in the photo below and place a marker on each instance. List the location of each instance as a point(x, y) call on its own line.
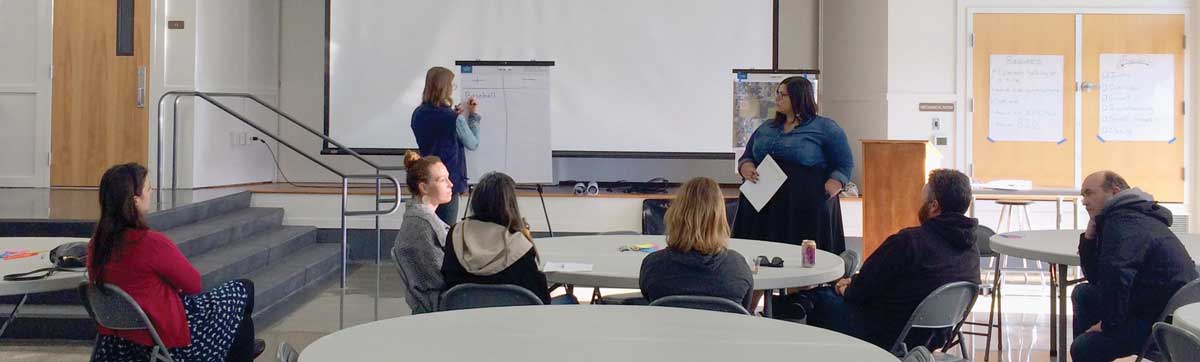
point(1133, 264)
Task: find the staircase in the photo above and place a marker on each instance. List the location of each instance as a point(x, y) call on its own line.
point(225, 239)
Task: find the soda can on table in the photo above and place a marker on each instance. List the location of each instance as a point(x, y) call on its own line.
point(809, 248)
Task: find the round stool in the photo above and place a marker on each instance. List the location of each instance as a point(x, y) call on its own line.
point(1006, 211)
point(1005, 224)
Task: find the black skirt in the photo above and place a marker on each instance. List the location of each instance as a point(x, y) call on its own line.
point(800, 210)
point(213, 318)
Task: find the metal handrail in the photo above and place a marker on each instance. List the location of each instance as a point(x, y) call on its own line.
point(395, 205)
point(378, 176)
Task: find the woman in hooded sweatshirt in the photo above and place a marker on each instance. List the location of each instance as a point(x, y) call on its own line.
point(697, 260)
point(422, 234)
point(493, 245)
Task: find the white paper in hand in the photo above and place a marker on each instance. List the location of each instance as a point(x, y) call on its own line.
point(770, 178)
point(553, 266)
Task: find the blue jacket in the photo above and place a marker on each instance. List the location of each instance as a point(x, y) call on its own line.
point(436, 131)
point(817, 142)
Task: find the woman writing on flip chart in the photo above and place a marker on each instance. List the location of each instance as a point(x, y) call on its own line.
point(814, 154)
point(446, 130)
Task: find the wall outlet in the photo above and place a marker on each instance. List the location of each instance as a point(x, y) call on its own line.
point(237, 138)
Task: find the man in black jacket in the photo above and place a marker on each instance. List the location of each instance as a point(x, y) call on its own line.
point(1133, 264)
point(909, 265)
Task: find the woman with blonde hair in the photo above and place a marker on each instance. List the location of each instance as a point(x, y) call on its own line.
point(446, 130)
point(697, 260)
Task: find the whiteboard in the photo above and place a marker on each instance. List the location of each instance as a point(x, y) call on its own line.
point(514, 132)
point(1137, 97)
point(629, 75)
point(1025, 98)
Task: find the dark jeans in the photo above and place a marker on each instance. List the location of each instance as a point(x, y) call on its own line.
point(1123, 340)
point(448, 212)
point(830, 311)
point(565, 299)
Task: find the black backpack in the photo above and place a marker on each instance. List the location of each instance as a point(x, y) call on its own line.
point(70, 257)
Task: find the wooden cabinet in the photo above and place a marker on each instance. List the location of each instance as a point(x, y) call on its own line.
point(893, 174)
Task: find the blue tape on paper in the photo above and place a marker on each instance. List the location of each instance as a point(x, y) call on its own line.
point(742, 76)
point(1171, 141)
point(991, 140)
point(466, 69)
point(1062, 141)
point(1101, 139)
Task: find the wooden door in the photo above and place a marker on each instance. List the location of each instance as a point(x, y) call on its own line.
point(1047, 164)
point(1131, 43)
point(96, 121)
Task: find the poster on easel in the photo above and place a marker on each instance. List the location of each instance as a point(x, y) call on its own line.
point(514, 133)
point(754, 93)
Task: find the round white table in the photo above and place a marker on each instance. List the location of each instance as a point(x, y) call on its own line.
point(57, 281)
point(1060, 248)
point(586, 333)
point(612, 268)
point(1188, 317)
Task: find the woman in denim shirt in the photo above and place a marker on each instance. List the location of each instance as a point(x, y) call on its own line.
point(813, 152)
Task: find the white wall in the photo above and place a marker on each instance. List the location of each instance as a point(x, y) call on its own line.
point(226, 46)
point(302, 93)
point(173, 68)
point(799, 24)
point(921, 68)
point(1192, 175)
point(25, 37)
point(237, 48)
point(854, 70)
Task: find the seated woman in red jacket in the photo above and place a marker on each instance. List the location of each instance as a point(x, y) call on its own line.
point(211, 326)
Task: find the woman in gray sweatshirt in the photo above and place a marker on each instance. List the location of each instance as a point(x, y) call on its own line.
point(422, 235)
point(697, 260)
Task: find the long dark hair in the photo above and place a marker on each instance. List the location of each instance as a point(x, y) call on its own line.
point(495, 201)
point(118, 214)
point(804, 99)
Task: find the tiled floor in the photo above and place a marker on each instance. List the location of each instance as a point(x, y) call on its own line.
point(1026, 320)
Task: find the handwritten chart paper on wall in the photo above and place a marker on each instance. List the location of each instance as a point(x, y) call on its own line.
point(1137, 97)
point(1025, 100)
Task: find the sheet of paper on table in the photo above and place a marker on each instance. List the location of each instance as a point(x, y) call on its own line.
point(554, 266)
